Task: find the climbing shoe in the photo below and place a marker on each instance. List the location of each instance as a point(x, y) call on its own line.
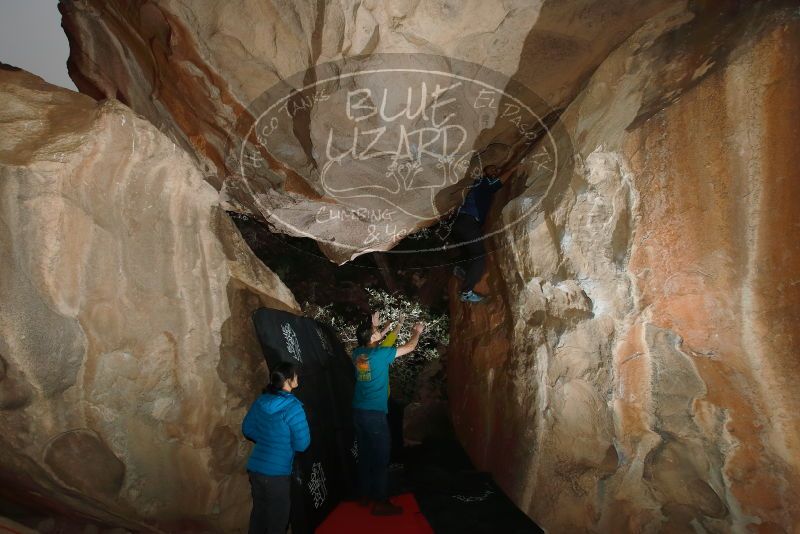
point(386, 508)
point(470, 296)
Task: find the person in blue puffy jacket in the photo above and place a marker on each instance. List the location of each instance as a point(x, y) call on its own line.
point(277, 423)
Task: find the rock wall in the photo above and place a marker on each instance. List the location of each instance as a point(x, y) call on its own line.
point(634, 369)
point(196, 69)
point(127, 356)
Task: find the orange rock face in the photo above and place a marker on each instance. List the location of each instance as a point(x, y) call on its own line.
point(670, 405)
point(719, 267)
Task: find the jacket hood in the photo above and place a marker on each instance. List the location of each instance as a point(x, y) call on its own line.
point(273, 403)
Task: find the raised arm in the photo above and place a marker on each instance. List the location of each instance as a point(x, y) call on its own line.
point(386, 328)
point(412, 343)
point(504, 176)
point(376, 323)
point(392, 337)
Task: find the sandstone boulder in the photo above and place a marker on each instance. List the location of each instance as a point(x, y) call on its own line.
point(127, 356)
point(660, 397)
point(206, 72)
point(633, 370)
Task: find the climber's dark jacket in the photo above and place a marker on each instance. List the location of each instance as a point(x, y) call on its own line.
point(479, 199)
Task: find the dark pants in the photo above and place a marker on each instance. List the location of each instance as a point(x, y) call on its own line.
point(271, 504)
point(374, 444)
point(467, 230)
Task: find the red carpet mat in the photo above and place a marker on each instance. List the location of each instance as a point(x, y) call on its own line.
point(351, 518)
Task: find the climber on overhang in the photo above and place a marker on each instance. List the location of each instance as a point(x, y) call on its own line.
point(468, 229)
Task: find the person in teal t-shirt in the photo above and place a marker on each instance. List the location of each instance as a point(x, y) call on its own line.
point(369, 414)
